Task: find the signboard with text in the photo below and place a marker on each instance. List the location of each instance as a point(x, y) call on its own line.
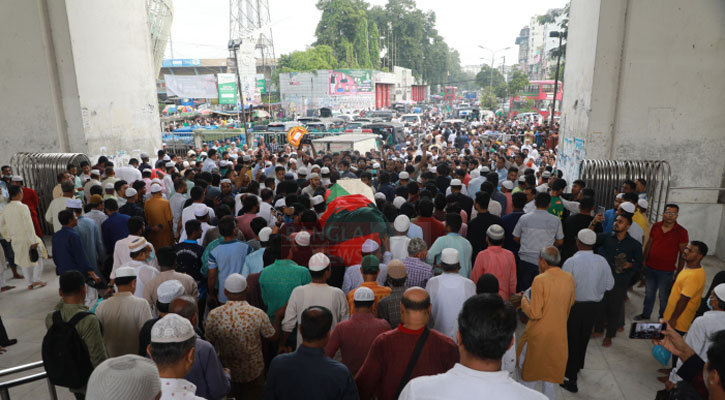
point(346, 82)
point(227, 85)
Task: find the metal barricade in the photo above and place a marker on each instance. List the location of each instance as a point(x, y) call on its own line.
point(607, 176)
point(40, 171)
point(7, 385)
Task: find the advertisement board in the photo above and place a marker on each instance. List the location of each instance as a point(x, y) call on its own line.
point(346, 82)
point(191, 86)
point(227, 85)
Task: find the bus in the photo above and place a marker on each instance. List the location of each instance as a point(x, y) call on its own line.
point(542, 94)
point(449, 94)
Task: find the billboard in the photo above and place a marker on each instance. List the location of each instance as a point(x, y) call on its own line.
point(191, 86)
point(261, 85)
point(347, 82)
point(227, 86)
point(181, 62)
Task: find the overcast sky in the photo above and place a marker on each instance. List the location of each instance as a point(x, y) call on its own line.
point(201, 28)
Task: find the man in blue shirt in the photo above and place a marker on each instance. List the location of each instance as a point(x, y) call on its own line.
point(89, 233)
point(68, 251)
point(308, 373)
point(115, 227)
point(225, 259)
point(611, 214)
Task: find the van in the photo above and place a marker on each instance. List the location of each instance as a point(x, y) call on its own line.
point(410, 119)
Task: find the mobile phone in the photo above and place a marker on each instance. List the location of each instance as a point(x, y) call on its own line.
point(599, 210)
point(647, 330)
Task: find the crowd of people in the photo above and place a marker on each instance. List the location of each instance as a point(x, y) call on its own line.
point(213, 273)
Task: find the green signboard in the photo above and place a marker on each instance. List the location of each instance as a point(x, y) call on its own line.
point(227, 85)
point(261, 84)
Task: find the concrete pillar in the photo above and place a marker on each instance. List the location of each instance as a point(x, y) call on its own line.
point(77, 76)
point(643, 81)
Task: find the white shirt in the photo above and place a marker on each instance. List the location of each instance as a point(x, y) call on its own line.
point(461, 382)
point(128, 174)
point(176, 204)
point(698, 337)
point(543, 188)
point(174, 389)
point(448, 292)
point(314, 294)
point(265, 211)
point(168, 185)
point(399, 247)
point(636, 232)
point(414, 231)
point(592, 275)
point(122, 254)
point(144, 273)
point(204, 227)
point(530, 207)
point(187, 214)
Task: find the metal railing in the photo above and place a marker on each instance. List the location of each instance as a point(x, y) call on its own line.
point(607, 176)
point(39, 171)
point(7, 385)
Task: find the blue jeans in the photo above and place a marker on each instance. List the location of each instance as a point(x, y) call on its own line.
point(656, 280)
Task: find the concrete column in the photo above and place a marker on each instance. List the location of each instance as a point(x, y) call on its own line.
point(77, 76)
point(643, 81)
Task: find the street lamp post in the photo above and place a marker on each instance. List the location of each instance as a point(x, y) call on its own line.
point(493, 57)
point(233, 46)
point(560, 35)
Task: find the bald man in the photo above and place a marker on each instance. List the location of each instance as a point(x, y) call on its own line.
point(207, 373)
point(394, 349)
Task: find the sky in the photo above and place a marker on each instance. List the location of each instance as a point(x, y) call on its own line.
point(201, 28)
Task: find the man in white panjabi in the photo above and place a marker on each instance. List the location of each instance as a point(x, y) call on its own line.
point(16, 227)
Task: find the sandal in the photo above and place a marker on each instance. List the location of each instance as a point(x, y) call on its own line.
point(6, 288)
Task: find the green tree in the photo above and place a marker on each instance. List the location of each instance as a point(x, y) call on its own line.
point(488, 99)
point(374, 45)
point(312, 59)
point(361, 48)
point(487, 78)
point(517, 83)
point(552, 71)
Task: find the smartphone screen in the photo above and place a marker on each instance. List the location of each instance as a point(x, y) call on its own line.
point(600, 210)
point(647, 330)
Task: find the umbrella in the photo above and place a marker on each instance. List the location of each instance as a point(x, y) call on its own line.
point(261, 114)
point(170, 109)
point(206, 112)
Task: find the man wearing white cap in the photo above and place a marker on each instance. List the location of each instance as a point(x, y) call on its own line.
point(59, 204)
point(140, 253)
point(125, 377)
point(507, 188)
point(448, 292)
point(544, 186)
point(165, 294)
point(123, 315)
point(133, 206)
point(353, 276)
point(497, 261)
point(399, 241)
point(593, 278)
point(188, 213)
point(225, 259)
point(635, 231)
point(159, 219)
point(315, 293)
point(167, 263)
point(314, 184)
point(173, 342)
point(95, 176)
point(236, 329)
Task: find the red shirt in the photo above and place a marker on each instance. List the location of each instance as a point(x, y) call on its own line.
point(353, 337)
point(665, 246)
point(432, 229)
point(389, 355)
point(30, 199)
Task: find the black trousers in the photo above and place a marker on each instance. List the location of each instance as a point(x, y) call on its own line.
point(611, 308)
point(578, 330)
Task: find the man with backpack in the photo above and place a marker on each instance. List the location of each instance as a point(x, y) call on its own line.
point(73, 345)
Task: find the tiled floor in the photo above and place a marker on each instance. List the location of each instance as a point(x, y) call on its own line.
point(626, 370)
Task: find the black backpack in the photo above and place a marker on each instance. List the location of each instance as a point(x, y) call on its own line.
point(65, 354)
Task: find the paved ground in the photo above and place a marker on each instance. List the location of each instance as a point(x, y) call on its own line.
point(626, 370)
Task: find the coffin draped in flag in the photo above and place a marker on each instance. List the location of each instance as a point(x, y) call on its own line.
point(348, 222)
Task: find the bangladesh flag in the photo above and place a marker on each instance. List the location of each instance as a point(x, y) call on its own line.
point(345, 187)
point(348, 222)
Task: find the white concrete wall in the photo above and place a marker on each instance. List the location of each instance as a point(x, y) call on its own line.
point(75, 76)
point(644, 82)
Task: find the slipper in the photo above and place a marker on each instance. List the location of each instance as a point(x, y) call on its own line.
point(31, 287)
point(39, 284)
point(6, 288)
point(664, 370)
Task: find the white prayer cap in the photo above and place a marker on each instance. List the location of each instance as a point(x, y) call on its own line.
point(229, 181)
point(643, 203)
point(495, 232)
point(398, 202)
point(280, 203)
point(325, 170)
point(485, 169)
point(185, 164)
point(380, 195)
point(522, 179)
point(137, 244)
point(302, 171)
point(144, 155)
point(172, 328)
point(125, 272)
point(200, 210)
point(546, 174)
point(268, 163)
point(223, 163)
point(125, 377)
point(353, 168)
point(74, 204)
point(370, 246)
point(167, 158)
point(130, 192)
point(302, 238)
point(317, 200)
point(720, 291)
point(475, 173)
point(313, 175)
point(169, 290)
point(404, 175)
point(376, 165)
point(170, 164)
point(264, 234)
point(147, 170)
point(620, 195)
point(587, 237)
point(17, 178)
point(156, 180)
point(314, 166)
point(449, 256)
point(155, 188)
point(245, 158)
point(456, 182)
point(627, 207)
point(508, 185)
point(203, 154)
point(433, 169)
point(318, 262)
point(95, 172)
point(190, 153)
point(235, 283)
point(109, 185)
point(402, 223)
point(363, 294)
